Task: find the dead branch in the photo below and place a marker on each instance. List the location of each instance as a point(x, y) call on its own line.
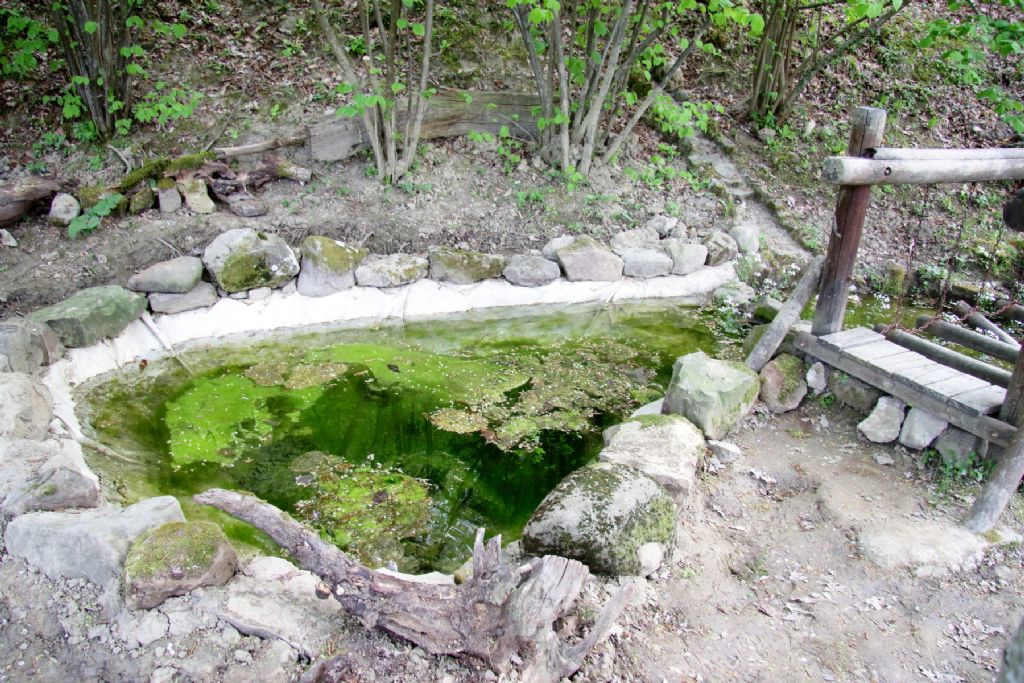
point(263, 146)
point(17, 198)
point(501, 613)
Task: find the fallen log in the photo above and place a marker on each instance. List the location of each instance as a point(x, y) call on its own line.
point(978, 321)
point(501, 613)
point(17, 198)
point(972, 340)
point(787, 315)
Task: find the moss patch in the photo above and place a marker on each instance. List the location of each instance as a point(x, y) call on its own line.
point(186, 546)
point(331, 256)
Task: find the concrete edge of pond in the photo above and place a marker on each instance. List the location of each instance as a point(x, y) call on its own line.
point(358, 305)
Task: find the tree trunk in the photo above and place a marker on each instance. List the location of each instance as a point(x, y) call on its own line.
point(501, 612)
point(16, 199)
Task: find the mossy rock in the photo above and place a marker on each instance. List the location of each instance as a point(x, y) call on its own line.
point(91, 195)
point(244, 259)
point(175, 559)
point(713, 394)
point(328, 266)
point(782, 383)
point(463, 267)
point(91, 314)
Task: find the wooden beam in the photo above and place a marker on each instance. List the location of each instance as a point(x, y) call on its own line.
point(979, 322)
point(851, 170)
point(1008, 309)
point(986, 427)
point(787, 315)
point(972, 340)
point(923, 153)
point(948, 357)
point(1013, 406)
point(851, 207)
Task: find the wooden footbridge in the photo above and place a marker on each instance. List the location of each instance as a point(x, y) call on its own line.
point(978, 397)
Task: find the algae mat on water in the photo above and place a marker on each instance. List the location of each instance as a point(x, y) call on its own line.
point(395, 442)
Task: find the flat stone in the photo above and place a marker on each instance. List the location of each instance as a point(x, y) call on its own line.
point(26, 407)
point(328, 266)
point(665, 226)
point(921, 428)
point(248, 208)
point(92, 314)
point(645, 263)
point(464, 267)
point(175, 559)
point(89, 544)
point(725, 451)
point(782, 383)
point(667, 448)
point(601, 515)
point(63, 209)
point(391, 271)
point(203, 295)
point(21, 459)
point(176, 276)
point(550, 250)
point(242, 259)
point(721, 248)
point(713, 394)
point(735, 292)
point(169, 199)
point(197, 197)
point(588, 259)
point(652, 408)
point(932, 547)
point(884, 423)
point(687, 257)
point(531, 271)
point(638, 238)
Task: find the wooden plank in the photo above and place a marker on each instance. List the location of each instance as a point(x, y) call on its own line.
point(910, 154)
point(844, 239)
point(950, 358)
point(988, 400)
point(903, 363)
point(856, 171)
point(787, 315)
point(847, 339)
point(938, 374)
point(877, 351)
point(958, 385)
point(911, 374)
point(980, 425)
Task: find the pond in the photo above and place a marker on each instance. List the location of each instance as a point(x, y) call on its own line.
point(397, 441)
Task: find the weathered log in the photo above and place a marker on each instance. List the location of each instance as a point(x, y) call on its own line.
point(262, 146)
point(17, 198)
point(978, 321)
point(972, 340)
point(947, 357)
point(501, 612)
point(998, 488)
point(858, 171)
point(787, 315)
point(932, 154)
point(447, 114)
point(1008, 309)
point(274, 168)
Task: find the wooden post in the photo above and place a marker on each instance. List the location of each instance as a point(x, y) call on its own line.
point(851, 207)
point(784, 319)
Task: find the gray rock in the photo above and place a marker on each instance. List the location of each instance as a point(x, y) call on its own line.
point(260, 294)
point(601, 515)
point(920, 428)
point(91, 314)
point(176, 276)
point(168, 197)
point(22, 459)
point(328, 266)
point(141, 201)
point(959, 448)
point(16, 345)
point(463, 267)
point(64, 209)
point(652, 408)
point(90, 544)
point(588, 259)
point(852, 392)
point(735, 292)
point(175, 559)
point(248, 208)
point(550, 250)
point(721, 248)
point(884, 422)
point(645, 263)
point(747, 235)
point(44, 339)
point(687, 257)
point(391, 271)
point(1012, 670)
point(531, 271)
point(766, 307)
point(667, 448)
point(202, 295)
point(782, 383)
point(638, 238)
point(7, 239)
point(197, 198)
point(663, 225)
point(713, 394)
point(63, 482)
point(26, 407)
point(725, 451)
point(243, 259)
point(817, 377)
point(650, 555)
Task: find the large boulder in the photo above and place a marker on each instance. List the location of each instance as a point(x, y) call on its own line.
point(645, 263)
point(328, 266)
point(601, 515)
point(463, 267)
point(721, 248)
point(531, 271)
point(176, 276)
point(713, 394)
point(638, 238)
point(202, 295)
point(391, 271)
point(243, 259)
point(687, 257)
point(782, 383)
point(175, 559)
point(62, 482)
point(959, 448)
point(26, 407)
point(90, 544)
point(588, 259)
point(884, 423)
point(92, 314)
point(667, 448)
point(920, 428)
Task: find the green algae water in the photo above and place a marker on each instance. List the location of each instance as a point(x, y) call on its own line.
point(395, 442)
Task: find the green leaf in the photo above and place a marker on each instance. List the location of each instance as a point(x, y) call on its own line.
point(179, 31)
point(397, 88)
point(402, 23)
point(133, 21)
point(90, 27)
point(419, 30)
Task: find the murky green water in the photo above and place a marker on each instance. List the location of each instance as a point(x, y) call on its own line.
point(396, 442)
